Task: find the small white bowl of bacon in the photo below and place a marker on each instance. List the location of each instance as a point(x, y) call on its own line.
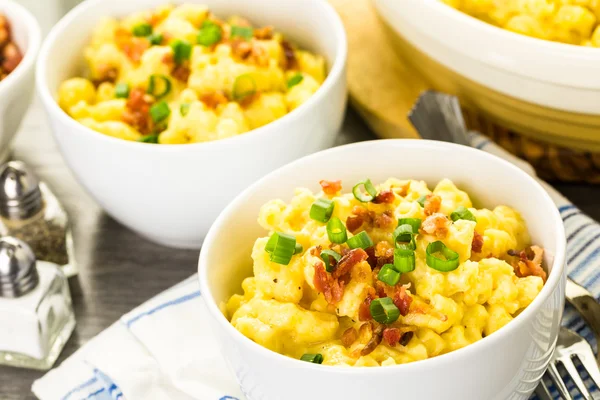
point(20, 38)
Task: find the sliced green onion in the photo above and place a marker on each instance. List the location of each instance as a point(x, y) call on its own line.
point(143, 29)
point(421, 200)
point(312, 358)
point(148, 139)
point(448, 263)
point(160, 111)
point(336, 231)
point(153, 86)
point(156, 39)
point(361, 196)
point(245, 32)
point(325, 256)
point(122, 90)
point(182, 51)
point(362, 240)
point(462, 213)
point(298, 249)
point(282, 247)
point(321, 210)
point(384, 310)
point(404, 260)
point(209, 34)
point(294, 80)
point(243, 86)
point(403, 233)
point(184, 109)
point(414, 222)
point(388, 275)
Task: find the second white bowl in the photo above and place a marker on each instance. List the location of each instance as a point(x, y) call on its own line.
point(172, 193)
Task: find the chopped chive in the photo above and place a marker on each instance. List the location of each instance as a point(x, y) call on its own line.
point(154, 83)
point(209, 34)
point(182, 51)
point(156, 39)
point(294, 80)
point(421, 200)
point(336, 231)
point(370, 194)
point(148, 139)
point(327, 255)
point(312, 358)
point(244, 32)
point(388, 275)
point(184, 109)
point(404, 260)
point(160, 111)
point(321, 210)
point(122, 90)
point(384, 310)
point(450, 261)
point(243, 86)
point(462, 213)
point(143, 29)
point(362, 240)
point(281, 248)
point(414, 222)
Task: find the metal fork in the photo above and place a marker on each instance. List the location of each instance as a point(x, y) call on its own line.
point(569, 346)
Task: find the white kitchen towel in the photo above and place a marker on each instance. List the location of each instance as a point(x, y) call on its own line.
point(165, 349)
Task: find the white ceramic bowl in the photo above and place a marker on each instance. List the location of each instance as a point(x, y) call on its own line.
point(17, 88)
point(504, 365)
point(172, 193)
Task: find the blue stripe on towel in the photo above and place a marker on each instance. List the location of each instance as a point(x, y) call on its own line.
point(581, 250)
point(566, 207)
point(80, 387)
point(483, 144)
point(174, 302)
point(578, 230)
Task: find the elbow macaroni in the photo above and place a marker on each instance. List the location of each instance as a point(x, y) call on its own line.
point(282, 309)
point(203, 82)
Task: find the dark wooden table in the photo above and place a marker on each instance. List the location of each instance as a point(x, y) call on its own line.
point(118, 269)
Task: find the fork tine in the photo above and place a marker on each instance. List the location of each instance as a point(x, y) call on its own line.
point(542, 390)
point(560, 385)
point(572, 370)
point(589, 362)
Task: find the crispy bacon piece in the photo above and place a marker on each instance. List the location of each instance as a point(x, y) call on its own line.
point(316, 251)
point(402, 300)
point(213, 99)
point(105, 73)
point(264, 33)
point(331, 187)
point(135, 47)
point(332, 289)
point(241, 48)
point(353, 223)
point(384, 220)
point(392, 336)
point(348, 261)
point(259, 56)
point(432, 204)
point(402, 190)
point(406, 337)
point(477, 243)
point(137, 111)
point(374, 341)
point(290, 55)
point(181, 72)
point(384, 253)
point(436, 224)
point(349, 336)
point(364, 310)
point(526, 267)
point(386, 196)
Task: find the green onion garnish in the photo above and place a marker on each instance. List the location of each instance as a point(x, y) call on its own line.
point(414, 222)
point(155, 82)
point(362, 240)
point(282, 247)
point(148, 139)
point(403, 233)
point(361, 196)
point(404, 260)
point(462, 213)
point(156, 39)
point(245, 32)
point(325, 256)
point(336, 231)
point(312, 358)
point(182, 51)
point(448, 263)
point(298, 249)
point(388, 275)
point(294, 80)
point(384, 310)
point(321, 210)
point(243, 86)
point(143, 29)
point(421, 200)
point(184, 109)
point(209, 34)
point(160, 112)
point(122, 90)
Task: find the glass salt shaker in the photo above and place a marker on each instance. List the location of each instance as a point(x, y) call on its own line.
point(35, 308)
point(29, 211)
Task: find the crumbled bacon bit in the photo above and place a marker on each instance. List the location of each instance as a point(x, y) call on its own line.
point(316, 251)
point(384, 220)
point(436, 224)
point(392, 336)
point(364, 310)
point(406, 337)
point(349, 336)
point(348, 261)
point(353, 223)
point(137, 111)
point(477, 243)
point(386, 196)
point(375, 340)
point(213, 99)
point(290, 55)
point(241, 48)
point(332, 289)
point(432, 204)
point(181, 72)
point(331, 187)
point(264, 33)
point(526, 267)
point(402, 190)
point(384, 253)
point(402, 300)
point(135, 47)
point(105, 73)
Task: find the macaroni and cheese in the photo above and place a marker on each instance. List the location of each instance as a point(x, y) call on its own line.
point(179, 74)
point(384, 275)
point(566, 21)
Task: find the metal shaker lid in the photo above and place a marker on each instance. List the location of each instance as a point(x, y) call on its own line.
point(20, 194)
point(18, 272)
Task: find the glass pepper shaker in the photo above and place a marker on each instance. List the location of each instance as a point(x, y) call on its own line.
point(35, 308)
point(29, 211)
